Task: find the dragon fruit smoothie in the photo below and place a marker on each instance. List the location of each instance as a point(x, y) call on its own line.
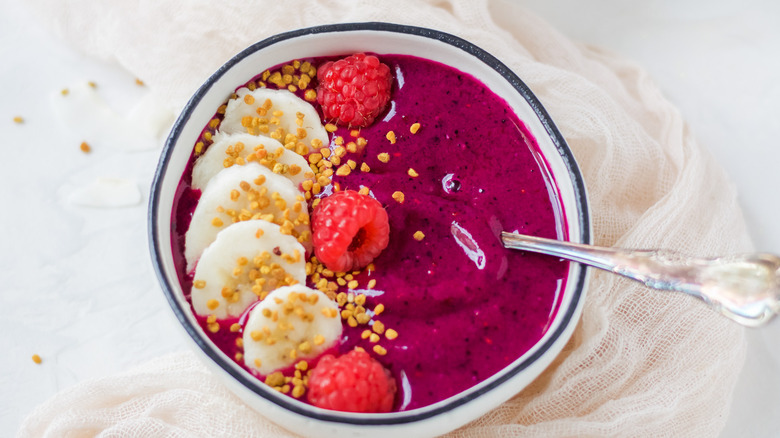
point(453, 166)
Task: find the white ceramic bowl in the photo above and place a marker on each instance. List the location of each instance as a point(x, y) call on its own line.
point(380, 38)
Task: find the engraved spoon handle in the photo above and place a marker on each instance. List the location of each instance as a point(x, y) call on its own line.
point(744, 288)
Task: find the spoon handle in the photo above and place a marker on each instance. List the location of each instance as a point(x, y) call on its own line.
point(743, 288)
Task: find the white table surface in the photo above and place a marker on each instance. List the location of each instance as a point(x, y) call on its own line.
point(77, 286)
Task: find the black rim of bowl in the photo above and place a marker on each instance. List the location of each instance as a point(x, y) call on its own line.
point(368, 419)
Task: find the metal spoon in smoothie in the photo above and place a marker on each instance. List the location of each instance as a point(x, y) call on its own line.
point(744, 288)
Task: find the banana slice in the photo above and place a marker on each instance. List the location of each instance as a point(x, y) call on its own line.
point(231, 149)
point(241, 193)
point(290, 324)
point(279, 114)
point(246, 261)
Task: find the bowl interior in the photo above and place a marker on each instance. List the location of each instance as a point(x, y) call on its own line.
point(554, 156)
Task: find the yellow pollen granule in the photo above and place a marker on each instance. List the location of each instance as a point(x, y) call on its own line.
point(37, 359)
point(330, 127)
point(414, 128)
point(315, 158)
point(391, 334)
point(366, 334)
point(391, 137)
point(217, 222)
point(419, 235)
point(413, 173)
point(352, 284)
point(235, 327)
point(374, 338)
point(399, 197)
point(92, 84)
point(199, 284)
point(371, 283)
point(275, 379)
point(378, 327)
point(310, 95)
point(319, 340)
point(139, 82)
point(212, 304)
point(64, 91)
point(343, 170)
point(85, 147)
point(380, 350)
point(18, 119)
point(364, 167)
point(384, 157)
point(379, 309)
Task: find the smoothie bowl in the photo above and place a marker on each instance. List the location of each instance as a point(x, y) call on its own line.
point(325, 223)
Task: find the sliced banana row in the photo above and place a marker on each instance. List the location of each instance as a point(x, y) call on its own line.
point(236, 149)
point(242, 193)
point(290, 324)
point(250, 232)
point(244, 264)
point(279, 114)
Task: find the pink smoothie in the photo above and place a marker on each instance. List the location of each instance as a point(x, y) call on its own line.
point(464, 307)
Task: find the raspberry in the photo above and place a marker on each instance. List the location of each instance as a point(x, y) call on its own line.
point(349, 230)
point(354, 382)
point(353, 91)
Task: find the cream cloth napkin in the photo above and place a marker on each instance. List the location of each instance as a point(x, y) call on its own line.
point(641, 363)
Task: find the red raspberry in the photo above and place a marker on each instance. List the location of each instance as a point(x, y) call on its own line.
point(349, 230)
point(353, 91)
point(354, 382)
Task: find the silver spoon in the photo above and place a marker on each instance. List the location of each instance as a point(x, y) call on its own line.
point(744, 288)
